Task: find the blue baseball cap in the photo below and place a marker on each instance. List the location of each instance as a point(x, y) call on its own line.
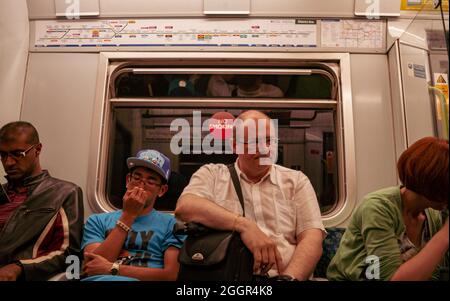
point(151, 159)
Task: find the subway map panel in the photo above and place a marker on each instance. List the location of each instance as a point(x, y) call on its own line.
point(177, 32)
point(352, 33)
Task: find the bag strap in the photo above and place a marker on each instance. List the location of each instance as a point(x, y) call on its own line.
point(237, 185)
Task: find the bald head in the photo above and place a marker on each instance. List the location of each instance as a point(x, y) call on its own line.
point(252, 115)
point(252, 120)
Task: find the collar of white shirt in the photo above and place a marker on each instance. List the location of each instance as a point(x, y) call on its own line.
point(270, 174)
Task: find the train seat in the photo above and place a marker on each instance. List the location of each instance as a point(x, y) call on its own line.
point(330, 245)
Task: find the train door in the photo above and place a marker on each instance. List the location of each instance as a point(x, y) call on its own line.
point(419, 72)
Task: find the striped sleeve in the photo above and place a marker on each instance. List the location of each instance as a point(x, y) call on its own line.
point(53, 241)
point(60, 238)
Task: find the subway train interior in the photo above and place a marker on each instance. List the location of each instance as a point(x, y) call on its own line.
point(351, 83)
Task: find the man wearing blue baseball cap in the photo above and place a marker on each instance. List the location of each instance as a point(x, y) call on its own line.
point(135, 243)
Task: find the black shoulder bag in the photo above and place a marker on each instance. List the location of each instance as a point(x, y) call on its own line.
point(213, 255)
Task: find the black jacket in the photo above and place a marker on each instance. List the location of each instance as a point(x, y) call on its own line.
point(45, 229)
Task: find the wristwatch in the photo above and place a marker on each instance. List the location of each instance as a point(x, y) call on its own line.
point(115, 268)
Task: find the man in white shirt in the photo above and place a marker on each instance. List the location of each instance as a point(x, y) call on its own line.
point(282, 226)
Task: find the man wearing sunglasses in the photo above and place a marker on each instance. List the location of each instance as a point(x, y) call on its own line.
point(41, 217)
point(136, 242)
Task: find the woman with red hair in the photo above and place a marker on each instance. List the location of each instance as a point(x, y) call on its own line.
point(396, 233)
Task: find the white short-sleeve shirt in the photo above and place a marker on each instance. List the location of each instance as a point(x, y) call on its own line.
point(283, 203)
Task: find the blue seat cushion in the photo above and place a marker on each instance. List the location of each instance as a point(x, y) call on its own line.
point(329, 246)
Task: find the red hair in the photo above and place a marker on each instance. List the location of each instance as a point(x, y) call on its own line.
point(423, 168)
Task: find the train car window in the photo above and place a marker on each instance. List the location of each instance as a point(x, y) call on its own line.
point(307, 143)
point(314, 86)
point(145, 107)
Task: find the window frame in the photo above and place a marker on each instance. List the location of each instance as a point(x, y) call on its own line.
point(221, 71)
point(336, 63)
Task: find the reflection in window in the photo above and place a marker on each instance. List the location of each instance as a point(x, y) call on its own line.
point(314, 86)
point(307, 142)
